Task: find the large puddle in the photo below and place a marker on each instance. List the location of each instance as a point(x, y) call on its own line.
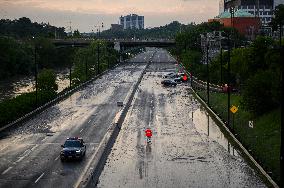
point(210, 128)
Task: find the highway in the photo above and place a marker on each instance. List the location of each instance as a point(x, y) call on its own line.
point(29, 154)
point(187, 149)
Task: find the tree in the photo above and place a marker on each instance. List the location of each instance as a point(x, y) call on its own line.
point(47, 81)
point(278, 21)
point(76, 34)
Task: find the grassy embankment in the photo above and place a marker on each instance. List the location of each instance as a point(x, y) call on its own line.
point(263, 140)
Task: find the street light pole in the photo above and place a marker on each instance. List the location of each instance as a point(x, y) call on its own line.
point(98, 68)
point(229, 68)
point(207, 65)
point(229, 80)
point(99, 32)
point(282, 121)
point(221, 65)
point(35, 72)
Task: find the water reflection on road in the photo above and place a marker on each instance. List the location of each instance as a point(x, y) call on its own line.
point(212, 130)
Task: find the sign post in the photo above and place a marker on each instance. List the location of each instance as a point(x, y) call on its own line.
point(234, 109)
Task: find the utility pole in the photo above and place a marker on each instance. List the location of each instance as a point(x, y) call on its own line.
point(229, 79)
point(282, 121)
point(98, 64)
point(35, 59)
point(207, 64)
point(221, 65)
point(98, 48)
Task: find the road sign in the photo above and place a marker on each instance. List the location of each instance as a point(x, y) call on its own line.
point(234, 109)
point(251, 124)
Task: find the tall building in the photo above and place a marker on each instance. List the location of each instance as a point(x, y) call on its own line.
point(132, 21)
point(259, 8)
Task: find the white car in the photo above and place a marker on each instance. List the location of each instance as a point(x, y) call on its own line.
point(170, 75)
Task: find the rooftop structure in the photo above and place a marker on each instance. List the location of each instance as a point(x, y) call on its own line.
point(259, 8)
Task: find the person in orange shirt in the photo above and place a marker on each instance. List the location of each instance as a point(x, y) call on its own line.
point(148, 134)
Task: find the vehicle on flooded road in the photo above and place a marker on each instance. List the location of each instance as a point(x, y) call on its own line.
point(170, 75)
point(73, 148)
point(169, 83)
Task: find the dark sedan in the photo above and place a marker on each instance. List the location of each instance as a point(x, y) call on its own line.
point(169, 83)
point(73, 148)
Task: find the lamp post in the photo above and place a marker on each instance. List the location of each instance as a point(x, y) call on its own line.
point(207, 64)
point(229, 68)
point(221, 65)
point(282, 121)
point(35, 59)
point(98, 48)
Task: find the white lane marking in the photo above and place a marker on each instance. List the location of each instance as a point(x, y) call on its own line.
point(39, 178)
point(19, 160)
point(7, 170)
point(89, 121)
point(81, 130)
point(44, 139)
point(3, 148)
point(33, 148)
point(57, 158)
point(26, 153)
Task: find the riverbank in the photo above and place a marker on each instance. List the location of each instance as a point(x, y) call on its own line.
point(12, 87)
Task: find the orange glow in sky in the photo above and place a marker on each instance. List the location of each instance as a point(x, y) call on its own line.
point(84, 14)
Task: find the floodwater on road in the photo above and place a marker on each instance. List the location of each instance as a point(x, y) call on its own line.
point(187, 148)
point(30, 152)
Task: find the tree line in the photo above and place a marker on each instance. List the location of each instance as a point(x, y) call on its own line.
point(25, 28)
point(255, 68)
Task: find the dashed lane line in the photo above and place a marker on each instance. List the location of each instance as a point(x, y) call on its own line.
point(57, 158)
point(81, 130)
point(7, 170)
point(39, 178)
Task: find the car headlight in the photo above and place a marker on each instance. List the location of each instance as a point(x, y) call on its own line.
point(78, 151)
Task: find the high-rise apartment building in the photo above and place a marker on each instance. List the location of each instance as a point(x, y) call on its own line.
point(259, 8)
point(132, 21)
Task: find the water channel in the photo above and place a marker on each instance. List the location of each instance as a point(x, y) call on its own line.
point(13, 87)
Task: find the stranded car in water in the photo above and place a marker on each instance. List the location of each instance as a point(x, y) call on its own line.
point(73, 148)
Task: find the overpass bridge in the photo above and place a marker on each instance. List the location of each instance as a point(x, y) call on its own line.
point(118, 44)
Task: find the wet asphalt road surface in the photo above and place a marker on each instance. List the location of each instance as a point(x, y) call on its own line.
point(29, 154)
point(187, 148)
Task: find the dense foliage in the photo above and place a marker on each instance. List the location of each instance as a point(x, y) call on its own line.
point(47, 81)
point(24, 28)
point(255, 69)
point(19, 57)
point(86, 61)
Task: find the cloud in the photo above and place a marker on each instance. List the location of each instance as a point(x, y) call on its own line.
point(86, 13)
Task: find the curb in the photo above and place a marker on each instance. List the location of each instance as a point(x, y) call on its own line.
point(244, 150)
point(93, 170)
point(59, 98)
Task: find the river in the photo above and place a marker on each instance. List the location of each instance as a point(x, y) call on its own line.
point(24, 84)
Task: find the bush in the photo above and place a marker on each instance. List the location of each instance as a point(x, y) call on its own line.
point(258, 92)
point(47, 81)
point(12, 109)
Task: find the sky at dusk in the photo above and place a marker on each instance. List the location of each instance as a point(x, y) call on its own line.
point(85, 14)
